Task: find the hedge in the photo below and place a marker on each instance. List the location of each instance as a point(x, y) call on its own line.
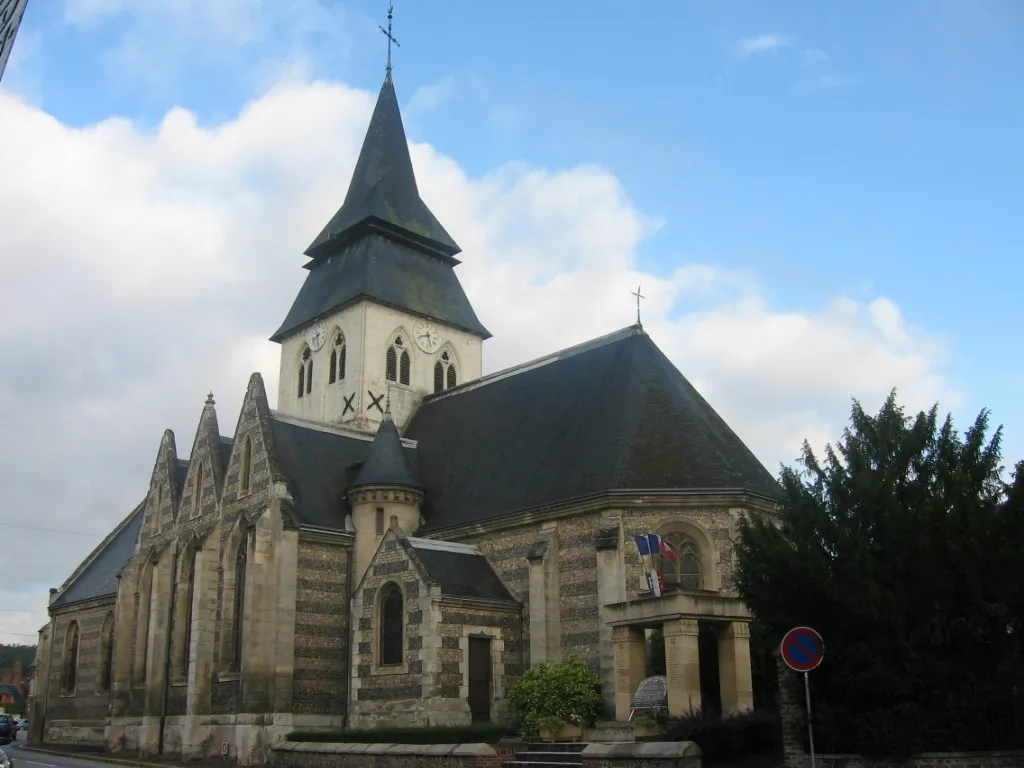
point(486, 733)
point(724, 738)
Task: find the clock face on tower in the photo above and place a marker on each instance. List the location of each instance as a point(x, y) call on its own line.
point(426, 334)
point(318, 335)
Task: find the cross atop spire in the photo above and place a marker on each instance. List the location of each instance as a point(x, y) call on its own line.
point(638, 297)
point(388, 35)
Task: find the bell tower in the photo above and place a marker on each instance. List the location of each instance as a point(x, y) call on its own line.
point(381, 306)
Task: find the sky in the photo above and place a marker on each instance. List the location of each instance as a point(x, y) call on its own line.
point(820, 201)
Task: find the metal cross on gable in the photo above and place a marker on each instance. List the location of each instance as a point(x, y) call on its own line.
point(638, 297)
point(388, 35)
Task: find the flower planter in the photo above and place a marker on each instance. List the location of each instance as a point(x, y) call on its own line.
point(567, 733)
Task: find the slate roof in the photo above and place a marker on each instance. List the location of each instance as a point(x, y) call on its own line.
point(461, 571)
point(385, 463)
point(610, 414)
point(99, 577)
point(390, 272)
point(224, 451)
point(383, 189)
point(321, 466)
point(383, 244)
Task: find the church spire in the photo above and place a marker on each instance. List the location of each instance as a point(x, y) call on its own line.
point(383, 194)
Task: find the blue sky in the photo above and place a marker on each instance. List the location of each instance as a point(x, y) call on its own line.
point(823, 200)
point(850, 147)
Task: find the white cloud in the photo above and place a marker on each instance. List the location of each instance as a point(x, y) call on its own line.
point(143, 268)
point(752, 46)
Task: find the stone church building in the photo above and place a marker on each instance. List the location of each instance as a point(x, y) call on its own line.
point(404, 535)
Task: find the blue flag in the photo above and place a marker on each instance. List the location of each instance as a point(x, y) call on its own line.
point(643, 543)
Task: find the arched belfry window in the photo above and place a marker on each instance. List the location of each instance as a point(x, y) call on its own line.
point(337, 369)
point(684, 570)
point(391, 625)
point(305, 372)
point(69, 675)
point(445, 376)
point(398, 362)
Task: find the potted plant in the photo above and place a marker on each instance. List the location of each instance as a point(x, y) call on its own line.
point(645, 726)
point(556, 701)
point(553, 728)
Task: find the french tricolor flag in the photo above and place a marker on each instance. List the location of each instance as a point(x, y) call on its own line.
point(653, 544)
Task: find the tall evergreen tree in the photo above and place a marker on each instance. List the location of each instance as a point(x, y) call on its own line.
point(902, 547)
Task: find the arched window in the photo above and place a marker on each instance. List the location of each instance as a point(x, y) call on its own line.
point(305, 372)
point(190, 593)
point(246, 473)
point(684, 570)
point(107, 652)
point(241, 571)
point(445, 376)
point(197, 491)
point(391, 625)
point(398, 362)
point(337, 371)
point(70, 660)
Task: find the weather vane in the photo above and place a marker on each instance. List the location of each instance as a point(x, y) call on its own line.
point(638, 297)
point(388, 35)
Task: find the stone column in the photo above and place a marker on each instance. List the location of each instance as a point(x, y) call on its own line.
point(734, 667)
point(630, 658)
point(682, 662)
point(611, 588)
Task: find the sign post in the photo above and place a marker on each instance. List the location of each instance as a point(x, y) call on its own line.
point(802, 650)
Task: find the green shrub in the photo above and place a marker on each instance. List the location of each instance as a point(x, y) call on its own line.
point(752, 732)
point(567, 691)
point(486, 733)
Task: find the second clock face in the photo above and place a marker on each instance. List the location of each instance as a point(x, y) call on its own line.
point(427, 337)
point(318, 335)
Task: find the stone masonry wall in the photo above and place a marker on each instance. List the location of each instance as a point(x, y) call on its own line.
point(458, 622)
point(712, 526)
point(389, 695)
point(78, 716)
point(322, 651)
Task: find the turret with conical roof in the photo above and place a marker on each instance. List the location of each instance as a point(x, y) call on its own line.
point(385, 489)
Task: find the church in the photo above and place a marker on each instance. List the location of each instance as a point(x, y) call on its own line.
point(404, 535)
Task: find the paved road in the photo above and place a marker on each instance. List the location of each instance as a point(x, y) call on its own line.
point(24, 758)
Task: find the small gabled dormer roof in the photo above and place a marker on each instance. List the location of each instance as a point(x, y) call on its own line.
point(385, 464)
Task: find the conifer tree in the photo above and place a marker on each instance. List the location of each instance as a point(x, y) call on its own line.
point(903, 547)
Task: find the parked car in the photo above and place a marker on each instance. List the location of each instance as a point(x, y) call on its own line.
point(23, 724)
point(5, 760)
point(8, 730)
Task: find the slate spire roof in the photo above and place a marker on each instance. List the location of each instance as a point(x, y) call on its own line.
point(383, 192)
point(384, 243)
point(385, 463)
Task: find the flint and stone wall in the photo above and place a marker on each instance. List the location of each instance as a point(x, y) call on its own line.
point(78, 716)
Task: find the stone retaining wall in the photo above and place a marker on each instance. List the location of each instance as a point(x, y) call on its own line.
point(294, 754)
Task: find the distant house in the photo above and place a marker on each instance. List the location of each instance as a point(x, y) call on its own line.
point(11, 698)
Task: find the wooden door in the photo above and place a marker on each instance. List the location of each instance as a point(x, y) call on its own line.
point(480, 679)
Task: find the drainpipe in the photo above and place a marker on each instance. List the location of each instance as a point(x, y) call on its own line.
point(168, 649)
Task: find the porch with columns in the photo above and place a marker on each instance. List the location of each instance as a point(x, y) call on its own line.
point(678, 614)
